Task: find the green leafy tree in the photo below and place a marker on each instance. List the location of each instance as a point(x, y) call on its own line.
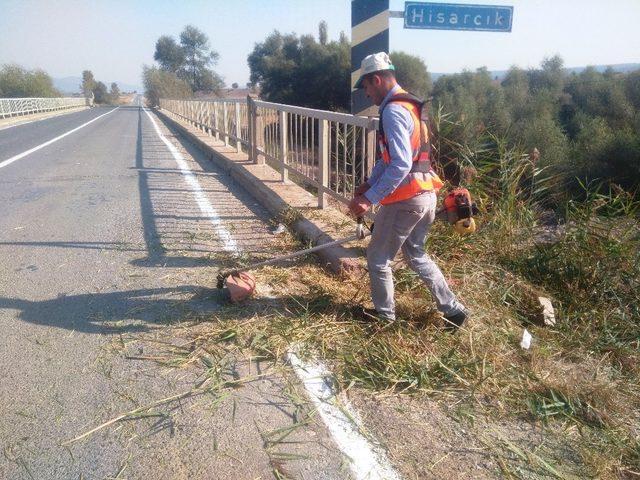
point(198, 58)
point(475, 100)
point(100, 93)
point(159, 84)
point(190, 59)
point(550, 76)
point(584, 125)
point(632, 86)
point(412, 74)
point(273, 64)
point(88, 83)
point(323, 33)
point(593, 136)
point(545, 134)
point(599, 95)
point(622, 157)
point(169, 54)
point(115, 91)
point(515, 86)
point(16, 81)
point(301, 71)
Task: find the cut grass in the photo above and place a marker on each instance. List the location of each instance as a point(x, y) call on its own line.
point(481, 366)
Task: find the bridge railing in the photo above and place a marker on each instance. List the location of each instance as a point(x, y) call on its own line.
point(329, 153)
point(10, 107)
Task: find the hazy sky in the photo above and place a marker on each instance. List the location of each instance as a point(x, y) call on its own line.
point(115, 37)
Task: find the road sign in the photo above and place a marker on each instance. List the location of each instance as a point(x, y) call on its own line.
point(455, 16)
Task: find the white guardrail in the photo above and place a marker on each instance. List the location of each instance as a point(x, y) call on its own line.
point(330, 152)
point(10, 107)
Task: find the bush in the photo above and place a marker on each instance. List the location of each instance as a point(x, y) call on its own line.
point(584, 126)
point(16, 82)
point(161, 84)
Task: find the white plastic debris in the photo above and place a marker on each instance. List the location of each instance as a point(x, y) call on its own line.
point(280, 229)
point(526, 339)
point(548, 315)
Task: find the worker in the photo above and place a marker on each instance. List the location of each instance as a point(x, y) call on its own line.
point(403, 182)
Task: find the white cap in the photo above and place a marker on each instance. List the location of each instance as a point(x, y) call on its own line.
point(374, 63)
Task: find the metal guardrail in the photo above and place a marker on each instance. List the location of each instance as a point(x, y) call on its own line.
point(10, 107)
point(330, 152)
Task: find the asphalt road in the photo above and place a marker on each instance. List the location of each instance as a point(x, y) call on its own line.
point(101, 237)
point(19, 138)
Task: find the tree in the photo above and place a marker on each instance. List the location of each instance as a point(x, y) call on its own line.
point(234, 85)
point(88, 83)
point(475, 101)
point(632, 86)
point(210, 82)
point(516, 90)
point(115, 91)
point(159, 84)
point(169, 54)
point(190, 60)
point(411, 73)
point(597, 94)
point(100, 93)
point(301, 71)
point(550, 76)
point(323, 33)
point(16, 81)
point(198, 57)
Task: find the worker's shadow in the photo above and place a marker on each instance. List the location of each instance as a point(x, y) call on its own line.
point(118, 312)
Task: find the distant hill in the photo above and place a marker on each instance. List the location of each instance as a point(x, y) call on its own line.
point(499, 74)
point(72, 85)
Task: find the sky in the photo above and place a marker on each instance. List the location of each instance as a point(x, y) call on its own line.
point(114, 38)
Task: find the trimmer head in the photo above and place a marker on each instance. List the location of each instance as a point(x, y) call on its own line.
point(240, 285)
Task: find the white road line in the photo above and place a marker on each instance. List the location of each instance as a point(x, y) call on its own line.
point(367, 461)
point(228, 243)
point(9, 161)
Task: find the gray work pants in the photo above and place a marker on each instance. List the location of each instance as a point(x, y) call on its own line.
point(405, 225)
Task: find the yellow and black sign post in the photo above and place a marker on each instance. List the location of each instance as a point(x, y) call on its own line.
point(369, 34)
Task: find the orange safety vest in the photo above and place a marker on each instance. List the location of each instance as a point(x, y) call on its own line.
point(421, 178)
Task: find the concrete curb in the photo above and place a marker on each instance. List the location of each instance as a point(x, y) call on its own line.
point(339, 259)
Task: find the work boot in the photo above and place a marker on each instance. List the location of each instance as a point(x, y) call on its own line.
point(453, 322)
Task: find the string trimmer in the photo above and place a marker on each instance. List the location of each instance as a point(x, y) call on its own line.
point(458, 210)
point(241, 284)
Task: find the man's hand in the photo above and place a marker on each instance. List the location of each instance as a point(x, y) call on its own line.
point(361, 189)
point(359, 205)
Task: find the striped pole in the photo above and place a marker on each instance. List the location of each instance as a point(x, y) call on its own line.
point(369, 34)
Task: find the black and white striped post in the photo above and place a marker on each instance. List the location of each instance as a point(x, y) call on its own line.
point(369, 34)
